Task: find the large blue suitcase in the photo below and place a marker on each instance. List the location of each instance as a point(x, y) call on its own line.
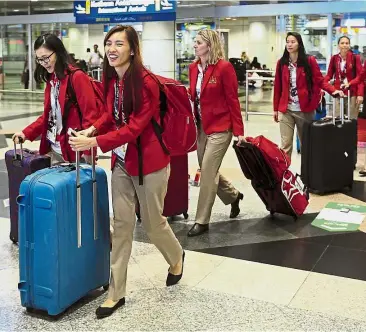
point(63, 236)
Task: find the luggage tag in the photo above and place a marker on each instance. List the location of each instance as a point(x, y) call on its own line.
point(51, 134)
point(121, 152)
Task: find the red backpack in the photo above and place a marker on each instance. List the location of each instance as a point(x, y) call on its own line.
point(98, 95)
point(275, 157)
point(177, 132)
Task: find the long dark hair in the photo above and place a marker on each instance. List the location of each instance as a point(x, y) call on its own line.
point(133, 83)
point(63, 59)
point(302, 60)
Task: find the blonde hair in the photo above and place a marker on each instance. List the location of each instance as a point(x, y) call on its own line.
point(216, 51)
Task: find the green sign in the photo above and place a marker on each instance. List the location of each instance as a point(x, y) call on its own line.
point(340, 217)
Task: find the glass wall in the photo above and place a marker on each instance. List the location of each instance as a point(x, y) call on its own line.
point(13, 42)
point(313, 29)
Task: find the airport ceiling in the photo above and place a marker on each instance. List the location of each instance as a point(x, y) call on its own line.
point(15, 7)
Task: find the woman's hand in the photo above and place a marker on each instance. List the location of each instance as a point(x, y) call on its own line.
point(87, 132)
point(359, 101)
point(82, 143)
point(275, 116)
point(338, 93)
point(241, 139)
point(18, 135)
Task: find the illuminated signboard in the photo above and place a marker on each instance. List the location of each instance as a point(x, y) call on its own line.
point(119, 11)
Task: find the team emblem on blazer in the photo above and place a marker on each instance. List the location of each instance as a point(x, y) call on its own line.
point(212, 80)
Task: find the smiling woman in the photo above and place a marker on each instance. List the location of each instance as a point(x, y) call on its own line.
point(132, 97)
point(61, 111)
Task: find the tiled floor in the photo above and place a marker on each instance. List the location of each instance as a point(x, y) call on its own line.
point(248, 274)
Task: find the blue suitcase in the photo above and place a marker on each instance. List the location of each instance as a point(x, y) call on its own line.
point(63, 236)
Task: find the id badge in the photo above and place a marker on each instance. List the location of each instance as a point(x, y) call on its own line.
point(51, 134)
point(121, 152)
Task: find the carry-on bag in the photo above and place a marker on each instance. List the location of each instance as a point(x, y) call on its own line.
point(19, 164)
point(63, 235)
point(176, 198)
point(320, 113)
point(266, 165)
point(328, 153)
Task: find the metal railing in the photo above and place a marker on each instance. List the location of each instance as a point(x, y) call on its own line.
point(260, 78)
point(96, 74)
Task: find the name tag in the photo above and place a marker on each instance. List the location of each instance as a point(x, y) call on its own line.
point(51, 134)
point(121, 152)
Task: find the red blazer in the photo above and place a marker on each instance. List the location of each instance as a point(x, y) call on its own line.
point(88, 108)
point(334, 72)
point(282, 84)
point(139, 124)
point(360, 79)
point(219, 99)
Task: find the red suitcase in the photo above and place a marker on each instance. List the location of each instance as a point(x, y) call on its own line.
point(176, 199)
point(19, 164)
point(280, 190)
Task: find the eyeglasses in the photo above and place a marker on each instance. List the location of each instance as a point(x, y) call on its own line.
point(44, 60)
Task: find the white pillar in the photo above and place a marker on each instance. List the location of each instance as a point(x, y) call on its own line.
point(158, 47)
point(329, 38)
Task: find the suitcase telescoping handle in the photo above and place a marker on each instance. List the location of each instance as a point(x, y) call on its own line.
point(78, 197)
point(341, 107)
point(21, 148)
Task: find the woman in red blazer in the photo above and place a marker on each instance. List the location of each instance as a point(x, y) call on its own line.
point(344, 67)
point(214, 91)
point(54, 67)
point(132, 97)
point(297, 88)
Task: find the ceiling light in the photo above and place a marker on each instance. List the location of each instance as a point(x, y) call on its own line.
point(51, 8)
point(34, 0)
point(15, 10)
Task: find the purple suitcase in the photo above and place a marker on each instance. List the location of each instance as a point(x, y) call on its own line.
point(19, 164)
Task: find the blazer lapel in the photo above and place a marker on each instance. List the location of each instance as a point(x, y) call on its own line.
point(193, 80)
point(62, 93)
point(207, 76)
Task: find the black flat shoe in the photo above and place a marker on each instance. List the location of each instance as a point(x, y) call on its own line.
point(173, 279)
point(197, 229)
point(235, 210)
point(103, 312)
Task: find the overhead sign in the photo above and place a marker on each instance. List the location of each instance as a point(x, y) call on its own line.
point(123, 11)
point(339, 217)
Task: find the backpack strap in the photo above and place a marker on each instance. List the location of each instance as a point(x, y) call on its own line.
point(140, 161)
point(158, 129)
point(71, 101)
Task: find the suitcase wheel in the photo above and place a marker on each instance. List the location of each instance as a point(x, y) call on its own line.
point(106, 287)
point(30, 310)
point(272, 213)
point(185, 215)
point(13, 240)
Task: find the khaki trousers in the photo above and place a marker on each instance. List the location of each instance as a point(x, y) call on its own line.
point(151, 196)
point(288, 121)
point(354, 108)
point(211, 150)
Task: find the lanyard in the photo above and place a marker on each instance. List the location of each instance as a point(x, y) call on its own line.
point(118, 117)
point(203, 77)
point(55, 92)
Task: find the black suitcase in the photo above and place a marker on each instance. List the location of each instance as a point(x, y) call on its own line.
point(328, 153)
